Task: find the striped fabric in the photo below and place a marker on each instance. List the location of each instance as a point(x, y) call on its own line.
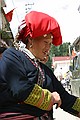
point(40, 98)
point(76, 105)
point(16, 116)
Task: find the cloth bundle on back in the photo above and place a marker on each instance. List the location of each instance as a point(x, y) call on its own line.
point(30, 90)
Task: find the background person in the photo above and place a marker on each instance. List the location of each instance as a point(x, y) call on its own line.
point(29, 87)
point(3, 47)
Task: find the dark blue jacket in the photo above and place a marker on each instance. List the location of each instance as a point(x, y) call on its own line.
point(17, 79)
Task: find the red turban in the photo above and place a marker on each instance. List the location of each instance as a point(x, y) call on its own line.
point(38, 24)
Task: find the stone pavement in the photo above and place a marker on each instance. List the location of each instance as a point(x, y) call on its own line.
point(59, 114)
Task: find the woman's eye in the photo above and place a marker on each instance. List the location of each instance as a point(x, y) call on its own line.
point(46, 42)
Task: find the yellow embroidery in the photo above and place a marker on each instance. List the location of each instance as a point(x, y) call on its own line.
point(40, 98)
point(76, 105)
point(47, 100)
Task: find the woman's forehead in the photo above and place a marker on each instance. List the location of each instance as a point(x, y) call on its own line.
point(46, 36)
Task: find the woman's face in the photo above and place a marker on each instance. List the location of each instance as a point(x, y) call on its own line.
point(41, 46)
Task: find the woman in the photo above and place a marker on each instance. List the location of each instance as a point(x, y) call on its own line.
point(29, 87)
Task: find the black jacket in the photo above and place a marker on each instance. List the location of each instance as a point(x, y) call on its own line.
point(18, 77)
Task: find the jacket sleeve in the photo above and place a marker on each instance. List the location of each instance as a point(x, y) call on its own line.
point(70, 103)
point(20, 87)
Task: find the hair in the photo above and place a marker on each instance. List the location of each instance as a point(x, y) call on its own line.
point(17, 41)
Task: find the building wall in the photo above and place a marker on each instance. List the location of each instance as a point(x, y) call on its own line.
point(62, 64)
point(0, 16)
point(2, 4)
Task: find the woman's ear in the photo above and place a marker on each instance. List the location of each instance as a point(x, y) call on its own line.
point(30, 42)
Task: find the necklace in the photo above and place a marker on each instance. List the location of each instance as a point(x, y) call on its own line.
point(36, 63)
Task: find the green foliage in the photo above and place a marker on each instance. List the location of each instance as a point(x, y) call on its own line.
point(7, 37)
point(62, 50)
point(49, 63)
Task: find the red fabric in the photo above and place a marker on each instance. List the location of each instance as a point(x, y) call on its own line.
point(37, 24)
point(9, 15)
point(73, 53)
point(16, 116)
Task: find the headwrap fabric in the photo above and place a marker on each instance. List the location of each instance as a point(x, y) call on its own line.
point(38, 24)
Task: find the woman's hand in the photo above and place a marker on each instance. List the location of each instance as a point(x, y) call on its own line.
point(56, 98)
point(79, 114)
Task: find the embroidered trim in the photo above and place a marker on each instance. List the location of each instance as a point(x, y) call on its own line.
point(76, 105)
point(40, 98)
point(47, 102)
point(41, 77)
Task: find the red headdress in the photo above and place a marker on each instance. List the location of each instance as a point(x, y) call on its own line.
point(38, 24)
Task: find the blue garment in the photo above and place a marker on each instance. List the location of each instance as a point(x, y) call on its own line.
point(17, 79)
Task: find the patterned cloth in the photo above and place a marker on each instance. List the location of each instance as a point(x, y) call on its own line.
point(18, 116)
point(41, 77)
